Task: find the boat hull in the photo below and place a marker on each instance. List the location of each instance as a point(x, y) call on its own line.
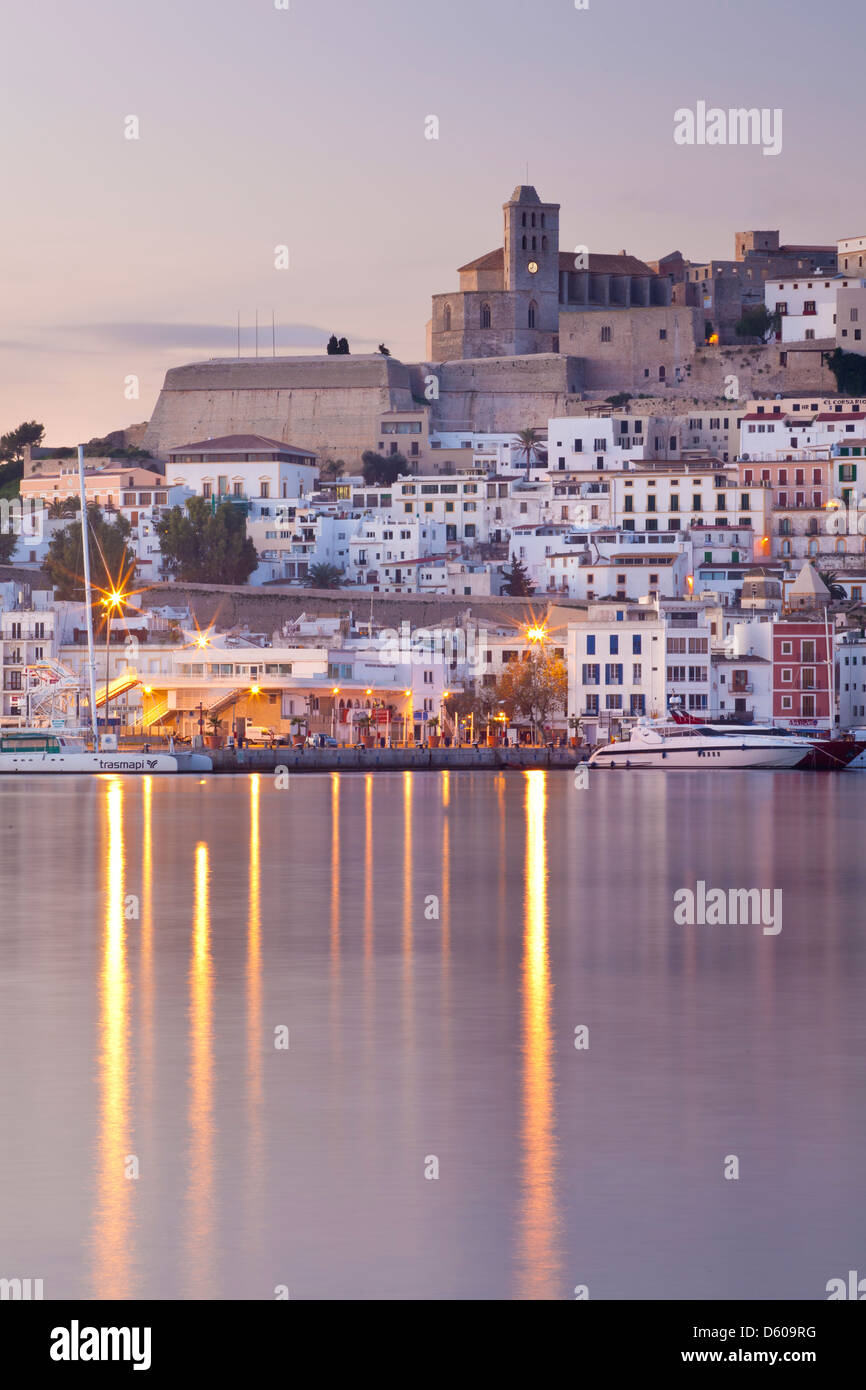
point(125, 764)
point(702, 759)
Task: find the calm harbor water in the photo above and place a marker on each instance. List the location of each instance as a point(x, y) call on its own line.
point(159, 937)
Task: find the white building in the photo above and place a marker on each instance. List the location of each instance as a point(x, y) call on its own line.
point(851, 665)
point(584, 442)
point(806, 303)
point(245, 468)
point(616, 667)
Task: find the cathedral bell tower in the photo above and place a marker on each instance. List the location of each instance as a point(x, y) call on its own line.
point(531, 244)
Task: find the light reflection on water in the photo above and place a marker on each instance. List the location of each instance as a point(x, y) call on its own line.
point(418, 1033)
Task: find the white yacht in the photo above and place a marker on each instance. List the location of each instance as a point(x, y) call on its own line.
point(676, 746)
point(53, 750)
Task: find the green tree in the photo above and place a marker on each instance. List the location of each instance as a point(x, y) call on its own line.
point(12, 444)
point(535, 687)
point(757, 322)
point(379, 471)
point(849, 369)
point(517, 582)
point(111, 560)
point(8, 543)
point(63, 506)
point(12, 447)
point(331, 469)
point(206, 545)
point(531, 441)
point(323, 576)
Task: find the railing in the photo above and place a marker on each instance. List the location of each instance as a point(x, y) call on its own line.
point(154, 714)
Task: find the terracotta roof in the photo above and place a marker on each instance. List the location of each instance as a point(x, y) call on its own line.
point(240, 444)
point(831, 416)
point(598, 264)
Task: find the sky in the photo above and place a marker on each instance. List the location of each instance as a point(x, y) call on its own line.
point(304, 127)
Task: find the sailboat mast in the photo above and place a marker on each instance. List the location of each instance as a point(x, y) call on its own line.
point(88, 593)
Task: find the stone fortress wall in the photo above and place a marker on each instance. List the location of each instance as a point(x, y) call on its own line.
point(333, 405)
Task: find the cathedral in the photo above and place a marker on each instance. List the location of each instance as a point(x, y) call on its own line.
point(510, 301)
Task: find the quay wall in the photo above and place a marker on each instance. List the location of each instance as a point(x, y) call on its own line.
point(394, 759)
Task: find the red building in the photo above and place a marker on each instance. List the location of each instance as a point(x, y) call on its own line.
point(802, 676)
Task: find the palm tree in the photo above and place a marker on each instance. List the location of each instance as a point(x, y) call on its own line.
point(829, 577)
point(529, 441)
point(323, 576)
point(331, 468)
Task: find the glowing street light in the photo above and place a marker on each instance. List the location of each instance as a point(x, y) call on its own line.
point(536, 633)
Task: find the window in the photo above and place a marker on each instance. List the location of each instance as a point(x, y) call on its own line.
point(676, 673)
point(613, 701)
point(613, 673)
point(636, 673)
point(606, 333)
point(674, 504)
point(807, 651)
point(590, 641)
point(663, 333)
point(635, 644)
point(614, 641)
point(533, 307)
point(485, 315)
point(787, 675)
point(591, 674)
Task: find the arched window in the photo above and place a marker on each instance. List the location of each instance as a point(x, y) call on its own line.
point(544, 243)
point(524, 243)
point(533, 243)
point(542, 219)
point(485, 315)
point(533, 219)
point(447, 318)
point(840, 547)
point(533, 307)
point(524, 220)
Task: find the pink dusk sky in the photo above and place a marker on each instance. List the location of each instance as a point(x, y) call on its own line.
point(261, 127)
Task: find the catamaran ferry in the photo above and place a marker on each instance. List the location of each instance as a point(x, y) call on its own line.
point(677, 746)
point(52, 750)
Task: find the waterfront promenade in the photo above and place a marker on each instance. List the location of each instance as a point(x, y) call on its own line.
point(393, 759)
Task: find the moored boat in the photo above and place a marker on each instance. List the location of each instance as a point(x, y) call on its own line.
point(678, 746)
point(53, 750)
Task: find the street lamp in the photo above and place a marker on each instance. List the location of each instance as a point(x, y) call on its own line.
point(112, 602)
